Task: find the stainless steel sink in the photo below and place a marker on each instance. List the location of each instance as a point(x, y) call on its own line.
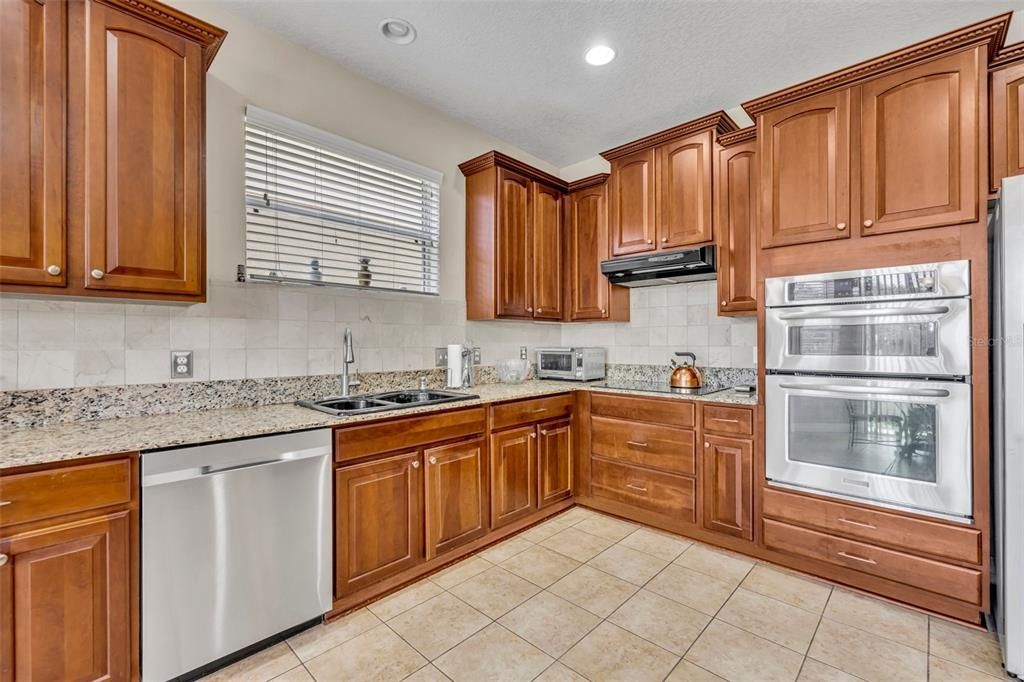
point(378, 402)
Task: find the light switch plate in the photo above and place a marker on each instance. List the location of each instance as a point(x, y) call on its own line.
point(181, 364)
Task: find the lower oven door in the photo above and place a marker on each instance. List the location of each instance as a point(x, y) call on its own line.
point(905, 444)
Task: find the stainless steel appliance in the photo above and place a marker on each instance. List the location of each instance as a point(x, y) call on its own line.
point(685, 265)
point(236, 546)
point(868, 388)
point(1007, 304)
point(573, 364)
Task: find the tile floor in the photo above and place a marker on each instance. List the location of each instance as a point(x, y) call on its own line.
point(584, 596)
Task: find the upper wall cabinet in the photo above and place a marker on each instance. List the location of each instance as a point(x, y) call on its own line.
point(131, 148)
point(736, 222)
point(662, 189)
point(1006, 104)
point(590, 296)
point(547, 252)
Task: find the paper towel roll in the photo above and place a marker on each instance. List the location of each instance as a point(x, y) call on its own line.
point(454, 365)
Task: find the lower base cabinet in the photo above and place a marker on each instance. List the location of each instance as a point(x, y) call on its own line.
point(456, 499)
point(554, 462)
point(728, 489)
point(513, 489)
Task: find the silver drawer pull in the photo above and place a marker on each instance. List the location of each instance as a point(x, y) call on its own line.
point(857, 558)
point(636, 487)
point(636, 443)
point(857, 523)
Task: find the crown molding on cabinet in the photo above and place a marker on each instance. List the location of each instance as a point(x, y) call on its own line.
point(718, 121)
point(990, 31)
point(1008, 54)
point(738, 136)
point(589, 181)
point(209, 36)
point(496, 158)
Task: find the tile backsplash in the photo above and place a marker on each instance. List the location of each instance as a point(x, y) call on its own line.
point(254, 331)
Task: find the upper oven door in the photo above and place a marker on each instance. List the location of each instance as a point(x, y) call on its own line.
point(894, 442)
point(897, 338)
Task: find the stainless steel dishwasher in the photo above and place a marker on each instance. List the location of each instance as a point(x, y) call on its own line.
point(236, 546)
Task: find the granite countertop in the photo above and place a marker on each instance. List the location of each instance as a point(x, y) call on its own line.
point(23, 447)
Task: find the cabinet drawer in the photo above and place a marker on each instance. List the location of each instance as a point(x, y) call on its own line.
point(915, 535)
point(662, 447)
point(527, 411)
point(64, 490)
point(666, 494)
point(733, 421)
point(353, 442)
point(945, 579)
point(669, 412)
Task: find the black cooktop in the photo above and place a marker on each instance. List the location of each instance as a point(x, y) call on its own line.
point(659, 387)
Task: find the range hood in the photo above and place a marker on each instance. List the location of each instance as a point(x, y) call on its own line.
point(686, 265)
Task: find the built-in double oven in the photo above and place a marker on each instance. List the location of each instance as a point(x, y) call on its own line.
point(867, 393)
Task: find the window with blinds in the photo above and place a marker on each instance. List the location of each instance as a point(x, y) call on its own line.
point(323, 210)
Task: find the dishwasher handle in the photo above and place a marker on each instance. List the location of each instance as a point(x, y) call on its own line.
point(198, 470)
point(209, 470)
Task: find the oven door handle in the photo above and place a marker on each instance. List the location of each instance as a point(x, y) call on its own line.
point(865, 312)
point(862, 390)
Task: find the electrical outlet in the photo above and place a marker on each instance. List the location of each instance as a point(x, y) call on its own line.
point(476, 355)
point(522, 352)
point(181, 364)
point(440, 357)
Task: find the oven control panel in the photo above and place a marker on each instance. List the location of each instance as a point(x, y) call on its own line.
point(892, 284)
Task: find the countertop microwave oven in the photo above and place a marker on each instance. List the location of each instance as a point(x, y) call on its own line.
point(573, 364)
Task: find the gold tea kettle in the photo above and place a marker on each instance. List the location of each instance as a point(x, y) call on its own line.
point(685, 374)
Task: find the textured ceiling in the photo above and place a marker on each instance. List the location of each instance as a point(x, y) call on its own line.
point(515, 69)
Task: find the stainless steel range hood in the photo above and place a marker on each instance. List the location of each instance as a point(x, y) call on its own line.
point(686, 265)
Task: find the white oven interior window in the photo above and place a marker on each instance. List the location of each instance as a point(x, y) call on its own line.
point(324, 210)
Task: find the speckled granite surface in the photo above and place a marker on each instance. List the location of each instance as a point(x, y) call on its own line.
point(19, 447)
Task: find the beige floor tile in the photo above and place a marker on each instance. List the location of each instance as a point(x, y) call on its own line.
point(261, 666)
point(788, 587)
point(607, 527)
point(629, 564)
point(437, 625)
point(690, 588)
point(657, 544)
point(427, 673)
point(296, 674)
point(688, 672)
point(611, 653)
point(966, 646)
point(462, 571)
point(318, 639)
point(403, 600)
point(728, 568)
point(865, 655)
point(776, 621)
point(941, 670)
point(550, 623)
point(816, 671)
point(739, 656)
point(496, 654)
point(378, 655)
point(495, 592)
point(879, 618)
point(573, 516)
point(540, 565)
point(557, 672)
point(506, 549)
point(594, 590)
point(658, 619)
point(576, 544)
point(542, 531)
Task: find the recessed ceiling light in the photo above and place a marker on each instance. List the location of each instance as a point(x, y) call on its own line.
point(599, 55)
point(398, 30)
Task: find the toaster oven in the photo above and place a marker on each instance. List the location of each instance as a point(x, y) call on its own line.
point(573, 364)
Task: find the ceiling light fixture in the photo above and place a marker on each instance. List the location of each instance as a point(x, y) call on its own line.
point(599, 55)
point(398, 30)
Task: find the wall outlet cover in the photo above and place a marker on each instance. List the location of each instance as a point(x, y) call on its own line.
point(181, 364)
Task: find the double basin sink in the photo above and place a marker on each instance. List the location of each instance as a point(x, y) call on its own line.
point(378, 402)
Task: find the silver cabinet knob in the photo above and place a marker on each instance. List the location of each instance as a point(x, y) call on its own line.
point(3, 559)
point(97, 274)
point(841, 226)
point(416, 464)
point(53, 270)
point(433, 460)
point(869, 223)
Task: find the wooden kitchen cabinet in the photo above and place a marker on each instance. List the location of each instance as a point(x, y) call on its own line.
point(547, 252)
point(33, 82)
point(113, 110)
point(456, 494)
point(805, 170)
point(736, 189)
point(378, 521)
point(513, 482)
point(554, 462)
point(683, 190)
point(514, 261)
point(728, 486)
point(590, 296)
point(919, 145)
point(1006, 103)
point(632, 203)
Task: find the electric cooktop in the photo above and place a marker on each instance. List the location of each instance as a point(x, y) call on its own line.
point(660, 387)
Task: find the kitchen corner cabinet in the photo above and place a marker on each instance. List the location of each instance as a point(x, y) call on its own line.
point(129, 149)
point(590, 296)
point(736, 225)
point(1006, 93)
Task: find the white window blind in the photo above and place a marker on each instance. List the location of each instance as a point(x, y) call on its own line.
point(324, 210)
